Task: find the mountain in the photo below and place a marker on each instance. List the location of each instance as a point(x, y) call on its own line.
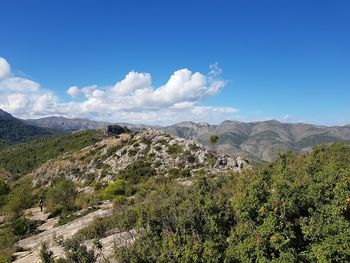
point(79, 124)
point(255, 140)
point(13, 130)
point(262, 140)
point(67, 124)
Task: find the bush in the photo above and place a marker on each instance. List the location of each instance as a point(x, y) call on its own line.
point(61, 197)
point(23, 227)
point(296, 209)
point(97, 229)
point(114, 189)
point(75, 252)
point(7, 238)
point(175, 149)
point(137, 171)
point(19, 199)
point(46, 255)
point(4, 190)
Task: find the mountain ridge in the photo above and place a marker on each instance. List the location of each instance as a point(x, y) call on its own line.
point(259, 140)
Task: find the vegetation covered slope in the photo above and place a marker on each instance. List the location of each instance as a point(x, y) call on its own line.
point(294, 210)
point(22, 158)
point(13, 130)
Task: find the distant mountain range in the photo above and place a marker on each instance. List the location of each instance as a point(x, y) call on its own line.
point(257, 140)
point(67, 124)
point(263, 140)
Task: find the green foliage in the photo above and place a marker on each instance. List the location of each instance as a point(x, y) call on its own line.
point(214, 139)
point(4, 190)
point(97, 229)
point(61, 197)
point(316, 140)
point(296, 209)
point(46, 255)
point(13, 131)
point(7, 238)
point(180, 224)
point(19, 198)
point(75, 252)
point(5, 256)
point(137, 171)
point(114, 189)
point(175, 150)
point(24, 157)
point(179, 173)
point(23, 227)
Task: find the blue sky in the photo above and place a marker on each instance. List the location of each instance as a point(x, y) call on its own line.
point(282, 59)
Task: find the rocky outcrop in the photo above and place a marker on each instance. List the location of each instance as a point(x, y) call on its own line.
point(113, 130)
point(50, 233)
point(164, 152)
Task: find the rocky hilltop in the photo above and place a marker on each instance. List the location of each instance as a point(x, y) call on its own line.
point(166, 154)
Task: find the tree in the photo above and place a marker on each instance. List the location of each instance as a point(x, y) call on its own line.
point(213, 140)
point(61, 197)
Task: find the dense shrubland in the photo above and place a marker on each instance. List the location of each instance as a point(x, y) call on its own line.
point(296, 209)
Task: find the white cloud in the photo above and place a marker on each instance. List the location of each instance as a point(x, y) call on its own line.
point(24, 97)
point(132, 99)
point(73, 91)
point(132, 81)
point(286, 117)
point(5, 68)
point(16, 84)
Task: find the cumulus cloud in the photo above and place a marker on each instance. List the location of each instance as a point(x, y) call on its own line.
point(132, 81)
point(23, 97)
point(132, 99)
point(73, 91)
point(5, 68)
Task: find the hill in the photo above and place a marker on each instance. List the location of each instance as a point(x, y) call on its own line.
point(23, 157)
point(13, 130)
point(152, 197)
point(147, 150)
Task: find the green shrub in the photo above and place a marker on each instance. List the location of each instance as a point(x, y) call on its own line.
point(6, 256)
point(97, 229)
point(46, 255)
point(19, 199)
point(23, 227)
point(119, 200)
point(296, 209)
point(137, 171)
point(4, 191)
point(114, 189)
point(175, 150)
point(61, 197)
point(7, 238)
